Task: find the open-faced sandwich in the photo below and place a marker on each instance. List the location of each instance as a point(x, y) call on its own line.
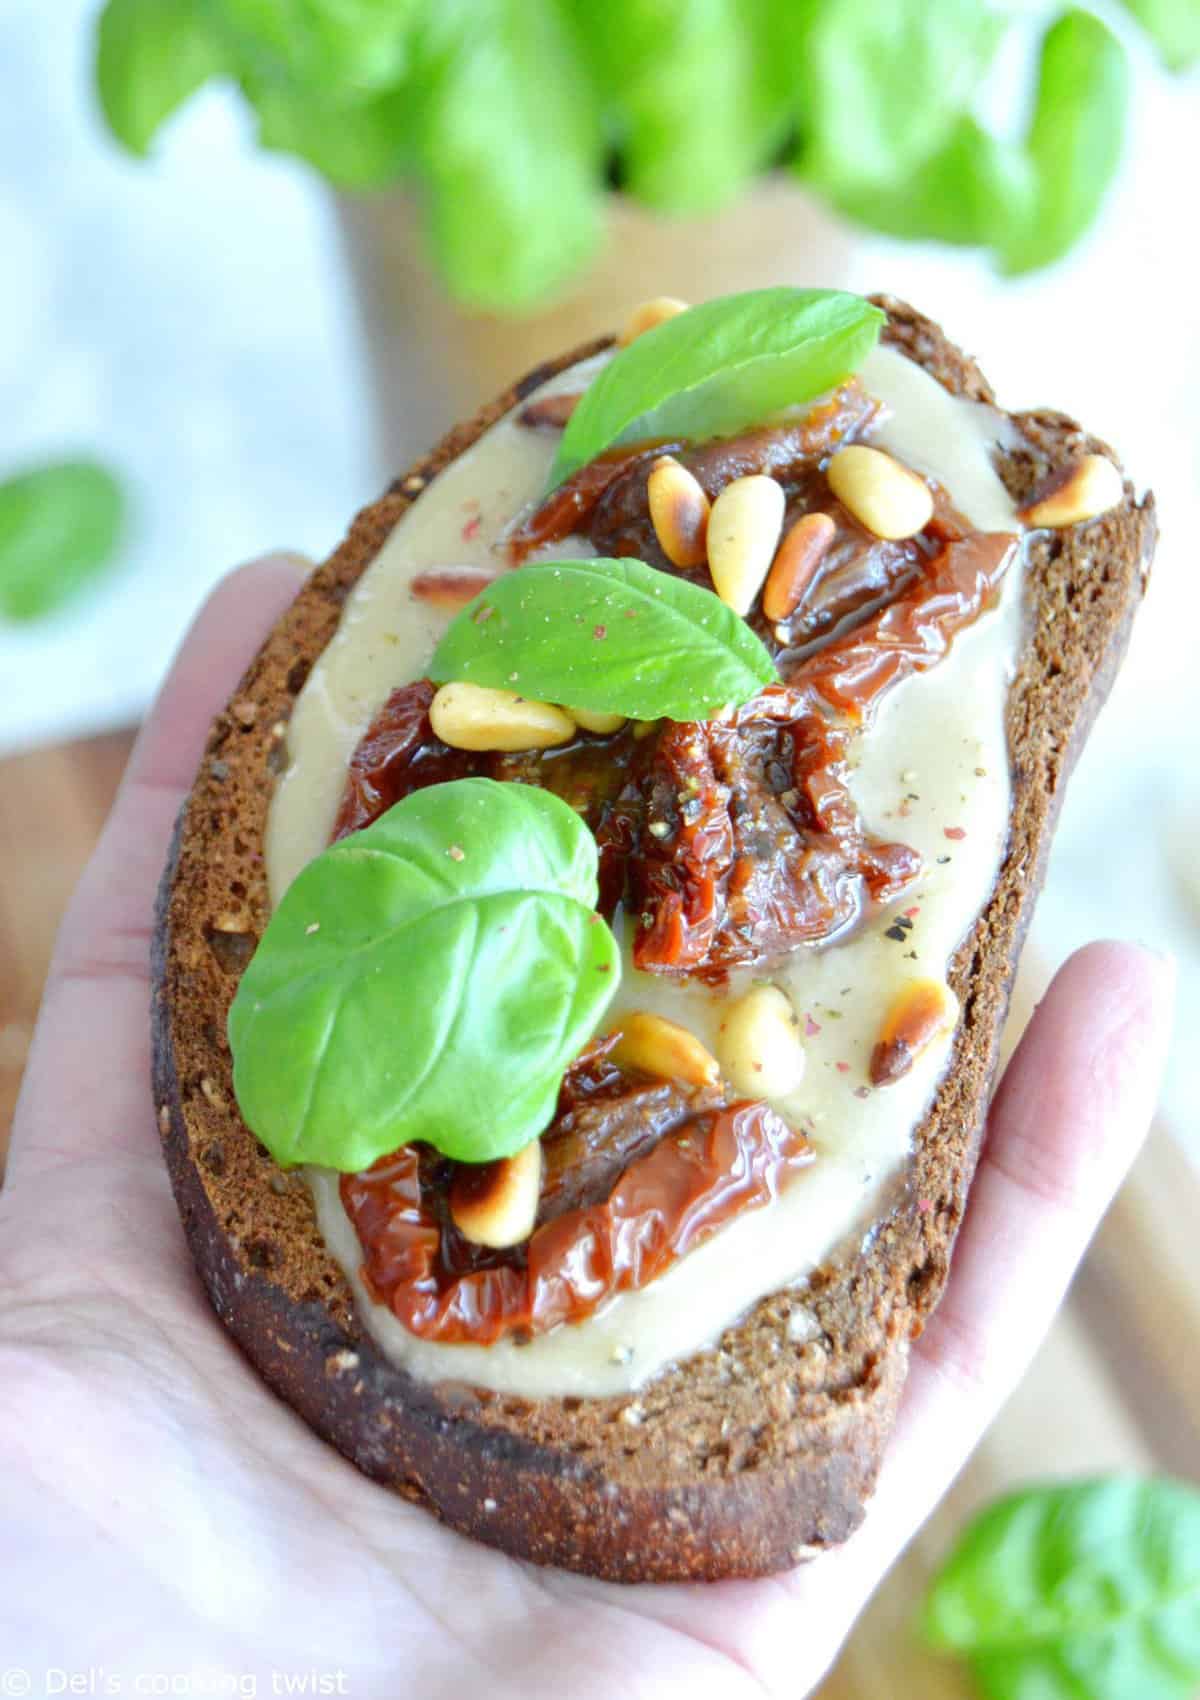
point(581, 965)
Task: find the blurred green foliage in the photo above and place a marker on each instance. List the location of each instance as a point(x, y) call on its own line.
point(60, 527)
point(512, 118)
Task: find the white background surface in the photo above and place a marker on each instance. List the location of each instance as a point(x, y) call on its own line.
point(189, 321)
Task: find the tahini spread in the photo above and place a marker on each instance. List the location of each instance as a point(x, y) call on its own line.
point(934, 771)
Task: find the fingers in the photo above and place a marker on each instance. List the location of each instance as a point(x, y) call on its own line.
point(86, 1084)
point(1065, 1126)
point(1067, 1122)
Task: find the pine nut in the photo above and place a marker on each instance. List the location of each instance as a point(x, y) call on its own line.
point(743, 531)
point(663, 1048)
point(496, 1204)
point(679, 509)
point(450, 588)
point(647, 314)
point(804, 547)
point(759, 1044)
point(549, 412)
point(592, 720)
point(923, 1011)
point(882, 494)
point(476, 717)
point(1081, 491)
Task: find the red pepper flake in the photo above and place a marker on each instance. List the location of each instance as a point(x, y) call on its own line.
point(811, 1027)
point(600, 631)
point(842, 1068)
point(455, 852)
point(471, 529)
point(913, 912)
point(924, 1206)
point(631, 613)
point(955, 831)
point(482, 613)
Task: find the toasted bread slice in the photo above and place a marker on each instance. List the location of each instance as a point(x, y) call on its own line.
point(736, 1462)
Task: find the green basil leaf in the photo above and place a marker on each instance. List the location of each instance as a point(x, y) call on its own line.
point(360, 145)
point(974, 191)
point(151, 55)
point(59, 528)
point(508, 146)
point(1086, 1588)
point(618, 637)
point(881, 85)
point(1075, 139)
point(719, 366)
point(1173, 26)
point(686, 108)
point(334, 47)
point(428, 978)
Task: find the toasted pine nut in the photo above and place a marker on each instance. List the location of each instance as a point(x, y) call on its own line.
point(679, 509)
point(759, 1044)
point(743, 531)
point(549, 412)
point(923, 1011)
point(885, 496)
point(804, 547)
point(476, 717)
point(663, 1048)
point(647, 314)
point(495, 1204)
point(451, 588)
point(592, 720)
point(1080, 491)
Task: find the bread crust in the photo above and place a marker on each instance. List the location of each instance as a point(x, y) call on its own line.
point(746, 1458)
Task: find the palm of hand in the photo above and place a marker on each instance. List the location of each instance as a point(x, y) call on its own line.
point(191, 1521)
point(196, 1515)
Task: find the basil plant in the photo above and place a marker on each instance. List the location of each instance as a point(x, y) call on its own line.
point(511, 119)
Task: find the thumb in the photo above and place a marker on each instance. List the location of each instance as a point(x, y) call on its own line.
point(86, 1087)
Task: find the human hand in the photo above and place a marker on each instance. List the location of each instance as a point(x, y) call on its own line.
point(164, 1514)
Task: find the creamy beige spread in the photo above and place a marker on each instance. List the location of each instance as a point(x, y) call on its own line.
point(935, 763)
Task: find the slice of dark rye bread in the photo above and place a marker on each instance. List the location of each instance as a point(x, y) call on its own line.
point(742, 1459)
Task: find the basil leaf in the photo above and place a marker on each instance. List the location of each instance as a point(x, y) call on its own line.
point(974, 191)
point(362, 145)
point(1087, 1588)
point(719, 366)
point(1075, 139)
point(685, 107)
point(428, 978)
point(151, 55)
point(508, 147)
point(1173, 26)
point(880, 85)
point(615, 636)
point(334, 47)
point(59, 528)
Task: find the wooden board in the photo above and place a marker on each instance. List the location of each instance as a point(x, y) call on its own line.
point(1116, 1386)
